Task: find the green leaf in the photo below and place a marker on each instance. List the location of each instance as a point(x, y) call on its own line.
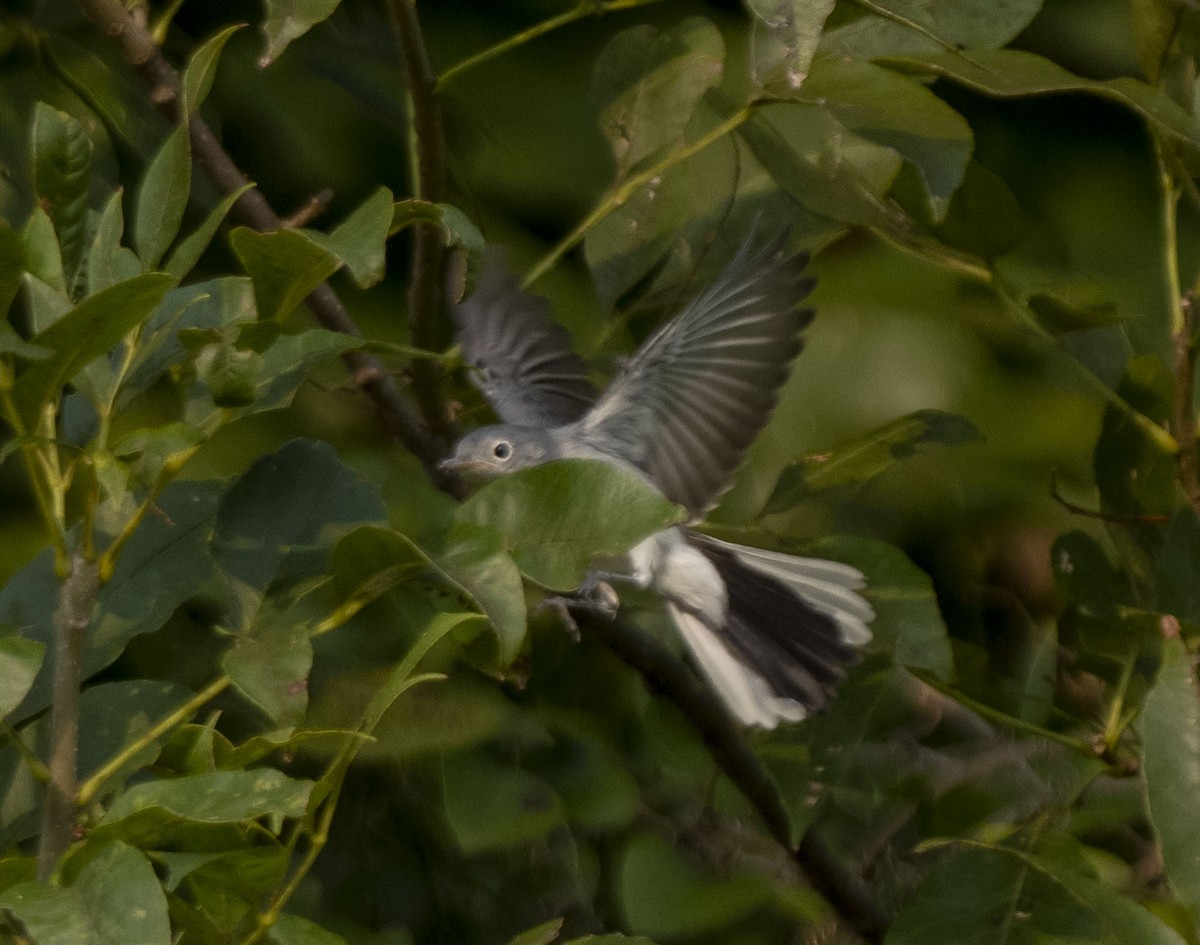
point(20, 660)
point(556, 518)
point(188, 251)
point(1014, 73)
point(215, 797)
point(857, 463)
point(664, 895)
point(1170, 732)
point(907, 621)
point(42, 255)
point(279, 521)
point(785, 37)
point(12, 266)
point(162, 197)
point(165, 563)
point(460, 230)
point(88, 331)
point(899, 113)
point(543, 934)
point(270, 667)
point(202, 69)
point(359, 240)
point(231, 376)
point(159, 449)
point(1177, 570)
point(116, 900)
point(1085, 576)
point(113, 715)
point(62, 161)
point(285, 265)
point(293, 930)
point(493, 806)
point(108, 262)
point(648, 83)
point(905, 26)
point(288, 20)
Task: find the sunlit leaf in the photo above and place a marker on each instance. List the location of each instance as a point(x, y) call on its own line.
point(556, 518)
point(785, 37)
point(857, 463)
point(162, 197)
point(647, 83)
point(288, 20)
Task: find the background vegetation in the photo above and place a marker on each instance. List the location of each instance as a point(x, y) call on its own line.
point(264, 678)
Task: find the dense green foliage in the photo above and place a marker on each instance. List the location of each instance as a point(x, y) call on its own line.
point(320, 701)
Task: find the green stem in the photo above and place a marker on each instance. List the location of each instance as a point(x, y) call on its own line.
point(583, 9)
point(619, 195)
point(92, 786)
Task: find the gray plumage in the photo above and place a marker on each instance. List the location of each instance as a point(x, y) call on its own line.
point(773, 632)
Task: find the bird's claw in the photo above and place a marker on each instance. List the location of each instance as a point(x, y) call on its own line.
point(594, 595)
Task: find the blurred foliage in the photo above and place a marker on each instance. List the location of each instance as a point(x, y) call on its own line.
point(322, 703)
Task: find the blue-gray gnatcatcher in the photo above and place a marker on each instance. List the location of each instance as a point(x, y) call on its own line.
point(772, 632)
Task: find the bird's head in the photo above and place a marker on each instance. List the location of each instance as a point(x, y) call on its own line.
point(504, 448)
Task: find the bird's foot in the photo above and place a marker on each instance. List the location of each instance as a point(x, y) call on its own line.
point(595, 596)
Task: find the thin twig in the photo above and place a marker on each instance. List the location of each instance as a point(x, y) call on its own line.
point(313, 207)
point(76, 602)
point(1114, 517)
point(1184, 425)
point(427, 170)
point(398, 414)
point(585, 8)
point(846, 892)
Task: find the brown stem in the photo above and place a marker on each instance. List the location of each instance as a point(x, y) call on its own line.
point(847, 893)
point(399, 415)
point(1183, 424)
point(427, 168)
point(76, 602)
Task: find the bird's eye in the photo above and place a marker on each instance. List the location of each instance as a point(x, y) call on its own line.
point(502, 450)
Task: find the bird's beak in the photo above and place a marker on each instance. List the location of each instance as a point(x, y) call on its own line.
point(453, 464)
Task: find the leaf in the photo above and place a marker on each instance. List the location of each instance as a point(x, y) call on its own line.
point(1176, 574)
point(162, 197)
point(287, 363)
point(115, 714)
point(784, 38)
point(905, 26)
point(899, 113)
point(202, 68)
point(555, 518)
point(188, 251)
point(857, 463)
point(165, 563)
point(42, 255)
point(270, 667)
point(88, 331)
point(288, 20)
point(543, 934)
point(116, 900)
point(280, 519)
point(1014, 73)
point(108, 262)
point(20, 660)
point(359, 240)
point(1170, 730)
point(216, 797)
point(648, 83)
point(665, 896)
point(62, 161)
point(285, 265)
point(492, 806)
point(12, 266)
point(293, 930)
point(907, 621)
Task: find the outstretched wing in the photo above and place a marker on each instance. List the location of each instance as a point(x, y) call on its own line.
point(520, 360)
point(700, 390)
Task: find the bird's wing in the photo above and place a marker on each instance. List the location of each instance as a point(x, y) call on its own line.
point(701, 389)
point(521, 359)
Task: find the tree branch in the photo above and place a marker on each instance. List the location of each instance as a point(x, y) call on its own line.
point(76, 602)
point(847, 893)
point(1184, 420)
point(399, 416)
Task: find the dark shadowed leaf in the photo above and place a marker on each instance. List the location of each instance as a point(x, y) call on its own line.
point(664, 895)
point(543, 934)
point(1178, 567)
point(785, 37)
point(556, 518)
point(62, 160)
point(647, 83)
point(1085, 575)
point(113, 715)
point(288, 20)
point(494, 806)
point(857, 463)
point(162, 198)
point(270, 667)
point(12, 265)
point(285, 265)
point(1170, 730)
point(293, 930)
point(88, 331)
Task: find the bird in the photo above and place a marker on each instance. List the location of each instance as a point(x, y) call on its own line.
point(773, 633)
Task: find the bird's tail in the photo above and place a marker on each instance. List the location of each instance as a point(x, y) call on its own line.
point(793, 625)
